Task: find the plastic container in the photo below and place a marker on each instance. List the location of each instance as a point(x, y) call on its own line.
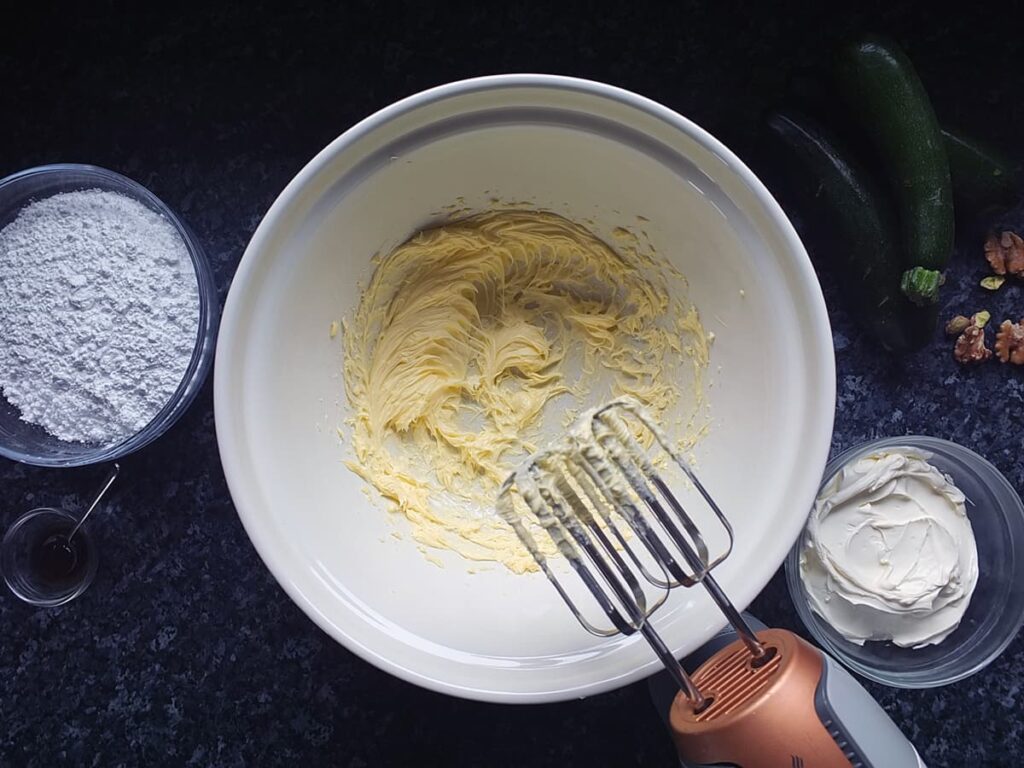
point(996, 610)
point(30, 443)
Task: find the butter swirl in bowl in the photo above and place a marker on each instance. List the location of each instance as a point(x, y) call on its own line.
point(473, 331)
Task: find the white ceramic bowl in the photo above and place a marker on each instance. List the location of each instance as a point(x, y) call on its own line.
point(586, 150)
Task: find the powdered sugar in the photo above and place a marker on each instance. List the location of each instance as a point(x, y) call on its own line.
point(99, 311)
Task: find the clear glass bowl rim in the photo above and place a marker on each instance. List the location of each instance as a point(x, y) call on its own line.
point(67, 597)
point(1015, 507)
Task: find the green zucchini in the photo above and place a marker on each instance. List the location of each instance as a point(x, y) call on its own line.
point(888, 100)
point(861, 244)
point(982, 177)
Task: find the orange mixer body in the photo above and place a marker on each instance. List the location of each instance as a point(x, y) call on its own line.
point(759, 715)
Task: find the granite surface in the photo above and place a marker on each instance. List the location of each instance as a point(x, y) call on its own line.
point(185, 651)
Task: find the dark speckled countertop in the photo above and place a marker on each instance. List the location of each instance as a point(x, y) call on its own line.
point(185, 651)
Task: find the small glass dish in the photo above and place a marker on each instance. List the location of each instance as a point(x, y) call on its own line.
point(30, 443)
point(40, 565)
point(996, 610)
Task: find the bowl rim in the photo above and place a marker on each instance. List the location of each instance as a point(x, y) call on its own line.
point(814, 623)
point(822, 378)
point(202, 351)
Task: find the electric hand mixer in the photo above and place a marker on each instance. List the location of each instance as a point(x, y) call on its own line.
point(766, 699)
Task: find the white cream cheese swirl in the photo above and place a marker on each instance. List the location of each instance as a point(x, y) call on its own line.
point(889, 553)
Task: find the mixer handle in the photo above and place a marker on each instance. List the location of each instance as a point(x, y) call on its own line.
point(798, 709)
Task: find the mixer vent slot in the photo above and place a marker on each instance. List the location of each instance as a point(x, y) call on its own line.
point(840, 739)
point(732, 682)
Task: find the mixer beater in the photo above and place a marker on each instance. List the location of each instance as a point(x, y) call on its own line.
point(767, 699)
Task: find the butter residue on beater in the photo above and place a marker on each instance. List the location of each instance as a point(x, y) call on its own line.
point(468, 331)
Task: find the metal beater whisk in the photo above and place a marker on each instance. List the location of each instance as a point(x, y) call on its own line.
point(605, 506)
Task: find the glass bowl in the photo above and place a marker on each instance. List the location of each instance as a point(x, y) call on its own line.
point(36, 581)
point(996, 610)
point(30, 443)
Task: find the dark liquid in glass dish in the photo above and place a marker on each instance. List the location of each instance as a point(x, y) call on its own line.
point(57, 560)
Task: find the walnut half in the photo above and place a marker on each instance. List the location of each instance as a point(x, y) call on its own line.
point(970, 346)
point(1005, 253)
point(1010, 342)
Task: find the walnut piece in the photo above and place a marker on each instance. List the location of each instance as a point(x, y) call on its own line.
point(970, 346)
point(956, 325)
point(1010, 342)
point(1005, 254)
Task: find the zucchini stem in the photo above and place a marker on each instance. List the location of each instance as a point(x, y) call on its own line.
point(921, 285)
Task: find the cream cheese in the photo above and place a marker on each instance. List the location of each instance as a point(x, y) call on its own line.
point(889, 553)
